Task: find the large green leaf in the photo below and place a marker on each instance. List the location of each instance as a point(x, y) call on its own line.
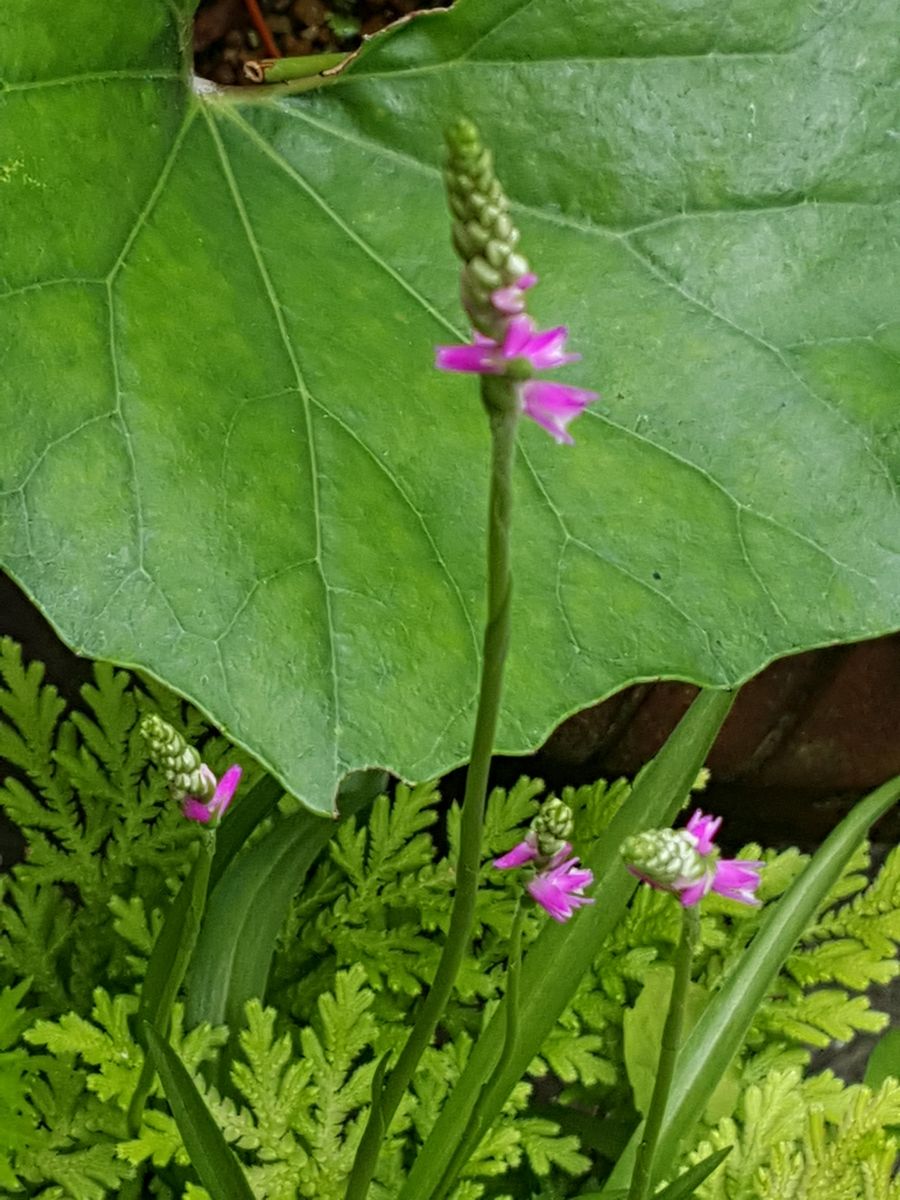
point(227, 457)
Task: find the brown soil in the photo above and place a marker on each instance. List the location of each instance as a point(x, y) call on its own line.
point(225, 38)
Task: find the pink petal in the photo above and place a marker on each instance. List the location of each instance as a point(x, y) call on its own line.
point(225, 790)
point(566, 875)
point(517, 857)
point(554, 405)
point(196, 810)
point(558, 890)
point(554, 898)
point(510, 300)
point(703, 829)
point(518, 336)
point(737, 879)
point(560, 856)
point(480, 359)
point(544, 350)
point(695, 893)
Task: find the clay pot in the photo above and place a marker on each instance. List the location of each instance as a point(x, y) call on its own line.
point(804, 739)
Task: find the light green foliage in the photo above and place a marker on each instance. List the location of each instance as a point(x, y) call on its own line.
point(795, 1016)
point(853, 945)
point(75, 1135)
point(301, 1105)
point(16, 1113)
point(385, 879)
point(796, 1139)
point(102, 831)
point(79, 1091)
point(360, 943)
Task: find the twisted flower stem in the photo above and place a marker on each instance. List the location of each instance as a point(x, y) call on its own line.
point(500, 400)
point(642, 1179)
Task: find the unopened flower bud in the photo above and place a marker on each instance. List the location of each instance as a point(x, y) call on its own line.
point(664, 857)
point(552, 827)
point(687, 863)
point(185, 772)
point(477, 199)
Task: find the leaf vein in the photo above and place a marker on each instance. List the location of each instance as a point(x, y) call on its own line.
point(304, 394)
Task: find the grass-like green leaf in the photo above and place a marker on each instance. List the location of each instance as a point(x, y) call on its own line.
point(884, 1061)
point(212, 1157)
point(681, 1188)
point(246, 910)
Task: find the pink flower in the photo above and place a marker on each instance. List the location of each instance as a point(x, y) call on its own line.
point(554, 405)
point(703, 830)
point(524, 852)
point(196, 810)
point(484, 356)
point(510, 300)
point(550, 405)
point(686, 863)
point(559, 887)
point(737, 879)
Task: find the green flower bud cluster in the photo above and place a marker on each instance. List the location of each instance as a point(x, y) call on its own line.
point(666, 856)
point(552, 827)
point(185, 772)
point(484, 236)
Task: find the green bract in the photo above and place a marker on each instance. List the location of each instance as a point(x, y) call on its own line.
point(227, 457)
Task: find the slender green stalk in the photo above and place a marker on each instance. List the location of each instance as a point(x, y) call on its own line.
point(473, 1131)
point(169, 961)
point(642, 1179)
point(500, 401)
point(284, 70)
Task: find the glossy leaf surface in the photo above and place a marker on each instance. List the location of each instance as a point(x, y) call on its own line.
point(227, 457)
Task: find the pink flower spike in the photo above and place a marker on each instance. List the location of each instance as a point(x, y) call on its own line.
point(554, 405)
point(703, 829)
point(559, 889)
point(737, 879)
point(525, 852)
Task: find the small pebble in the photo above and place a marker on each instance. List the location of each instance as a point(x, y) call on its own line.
point(224, 74)
point(310, 12)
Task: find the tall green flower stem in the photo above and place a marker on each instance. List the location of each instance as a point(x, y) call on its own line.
point(499, 397)
point(169, 961)
point(642, 1179)
point(469, 1140)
